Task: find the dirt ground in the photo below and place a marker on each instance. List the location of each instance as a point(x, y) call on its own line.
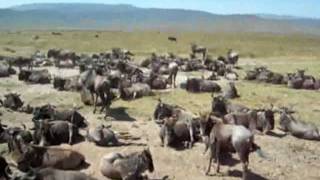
point(288, 157)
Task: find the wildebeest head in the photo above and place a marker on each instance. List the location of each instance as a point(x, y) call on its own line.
point(147, 158)
point(219, 106)
point(43, 112)
point(162, 111)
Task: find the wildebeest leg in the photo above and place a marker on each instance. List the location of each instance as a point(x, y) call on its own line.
point(104, 102)
point(70, 126)
point(244, 157)
point(217, 148)
point(210, 159)
point(191, 135)
point(95, 101)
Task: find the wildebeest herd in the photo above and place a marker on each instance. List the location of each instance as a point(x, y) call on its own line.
point(106, 77)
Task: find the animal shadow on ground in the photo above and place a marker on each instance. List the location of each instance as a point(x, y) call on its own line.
point(227, 160)
point(250, 175)
point(120, 114)
point(270, 133)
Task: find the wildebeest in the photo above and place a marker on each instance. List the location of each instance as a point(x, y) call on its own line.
point(136, 90)
point(246, 119)
point(12, 101)
point(53, 113)
point(195, 49)
point(37, 77)
point(4, 169)
point(66, 84)
point(55, 132)
point(201, 85)
point(231, 92)
point(297, 128)
point(6, 70)
point(232, 57)
point(102, 136)
point(42, 157)
point(220, 106)
point(174, 132)
point(51, 174)
point(126, 167)
point(172, 38)
point(224, 138)
point(23, 61)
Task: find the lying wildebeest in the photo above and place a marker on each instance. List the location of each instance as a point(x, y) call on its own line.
point(220, 106)
point(136, 90)
point(231, 92)
point(224, 138)
point(55, 132)
point(42, 157)
point(102, 136)
point(174, 132)
point(8, 134)
point(12, 101)
point(37, 77)
point(233, 57)
point(297, 128)
point(6, 70)
point(126, 167)
point(51, 174)
point(53, 113)
point(66, 84)
point(201, 85)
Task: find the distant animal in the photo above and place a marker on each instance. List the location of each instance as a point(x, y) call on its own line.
point(172, 38)
point(129, 167)
point(102, 136)
point(232, 57)
point(36, 77)
point(136, 90)
point(66, 84)
point(6, 70)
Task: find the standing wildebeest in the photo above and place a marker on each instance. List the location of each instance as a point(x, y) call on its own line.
point(99, 86)
point(102, 136)
point(201, 85)
point(126, 167)
point(172, 38)
point(297, 128)
point(23, 61)
point(195, 49)
point(224, 138)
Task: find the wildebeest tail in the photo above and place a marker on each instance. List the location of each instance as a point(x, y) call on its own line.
point(256, 148)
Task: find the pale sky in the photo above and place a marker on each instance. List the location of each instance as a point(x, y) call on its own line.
point(301, 8)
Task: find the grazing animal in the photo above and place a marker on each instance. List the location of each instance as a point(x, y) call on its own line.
point(126, 167)
point(172, 38)
point(224, 138)
point(102, 136)
point(297, 128)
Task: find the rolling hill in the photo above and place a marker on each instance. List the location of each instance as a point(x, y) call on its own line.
point(128, 18)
